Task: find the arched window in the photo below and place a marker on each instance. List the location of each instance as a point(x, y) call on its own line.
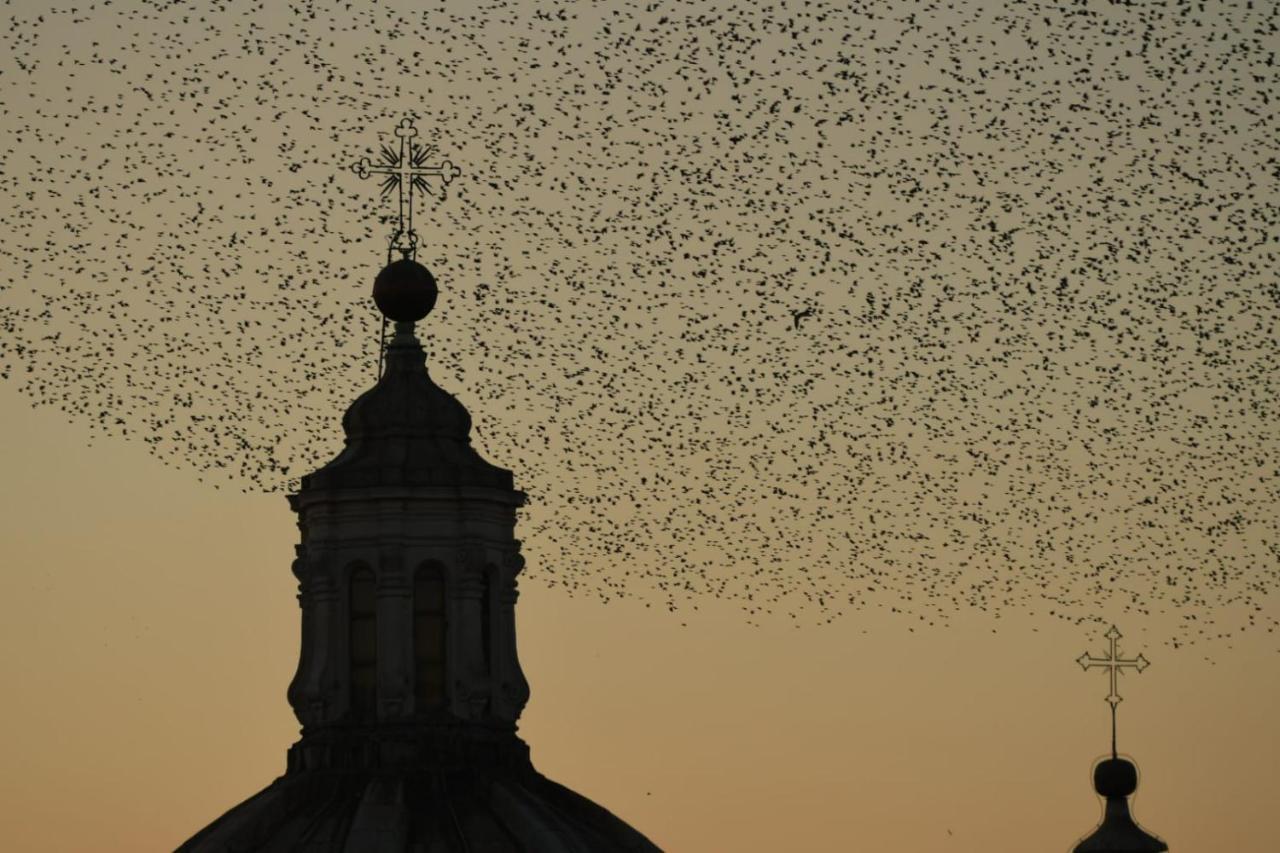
point(428, 636)
point(364, 645)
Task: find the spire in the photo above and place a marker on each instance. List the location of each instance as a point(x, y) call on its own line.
point(405, 290)
point(1115, 778)
point(406, 430)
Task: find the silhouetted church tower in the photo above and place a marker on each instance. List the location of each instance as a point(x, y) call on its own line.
point(1116, 778)
point(409, 684)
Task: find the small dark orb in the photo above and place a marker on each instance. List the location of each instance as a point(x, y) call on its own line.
point(405, 291)
point(1115, 777)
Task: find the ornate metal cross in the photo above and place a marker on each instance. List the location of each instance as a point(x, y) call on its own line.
point(1114, 664)
point(406, 170)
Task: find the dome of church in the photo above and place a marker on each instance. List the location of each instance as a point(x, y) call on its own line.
point(489, 799)
point(407, 431)
point(1115, 779)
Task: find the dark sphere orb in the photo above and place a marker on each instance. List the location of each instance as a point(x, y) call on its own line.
point(405, 291)
point(1115, 777)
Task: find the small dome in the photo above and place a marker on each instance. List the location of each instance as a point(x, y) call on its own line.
point(1115, 777)
point(405, 291)
point(407, 431)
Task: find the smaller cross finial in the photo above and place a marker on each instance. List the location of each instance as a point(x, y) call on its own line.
point(1114, 664)
point(407, 170)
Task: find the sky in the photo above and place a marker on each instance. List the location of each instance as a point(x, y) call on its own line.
point(866, 360)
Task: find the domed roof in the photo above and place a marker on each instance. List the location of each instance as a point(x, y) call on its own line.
point(491, 800)
point(1116, 779)
point(407, 431)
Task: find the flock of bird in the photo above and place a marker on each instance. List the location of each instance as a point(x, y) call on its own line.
point(813, 307)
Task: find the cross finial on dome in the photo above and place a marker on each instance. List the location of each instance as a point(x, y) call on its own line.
point(405, 290)
point(406, 169)
point(1114, 664)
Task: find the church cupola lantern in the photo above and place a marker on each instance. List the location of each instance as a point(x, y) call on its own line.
point(409, 685)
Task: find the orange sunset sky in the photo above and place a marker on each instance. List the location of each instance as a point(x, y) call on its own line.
point(863, 363)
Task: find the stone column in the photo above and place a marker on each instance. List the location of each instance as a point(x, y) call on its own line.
point(511, 690)
point(297, 686)
point(468, 690)
point(327, 700)
point(395, 634)
point(312, 693)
